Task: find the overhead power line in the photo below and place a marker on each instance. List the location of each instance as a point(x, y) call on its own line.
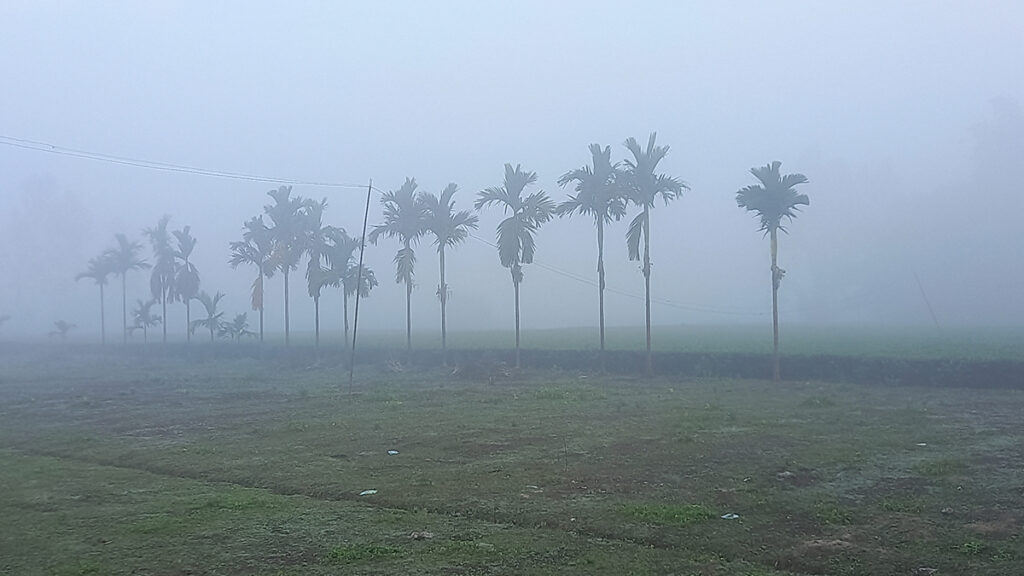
point(164, 166)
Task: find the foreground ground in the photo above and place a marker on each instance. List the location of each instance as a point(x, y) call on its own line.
point(170, 466)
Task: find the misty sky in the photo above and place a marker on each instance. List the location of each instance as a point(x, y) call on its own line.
point(907, 117)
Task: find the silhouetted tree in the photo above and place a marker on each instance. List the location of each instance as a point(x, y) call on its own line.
point(450, 228)
point(317, 243)
point(404, 219)
point(773, 199)
point(344, 271)
point(644, 185)
point(256, 248)
point(515, 235)
point(186, 276)
point(144, 318)
point(98, 270)
point(61, 329)
point(598, 194)
point(123, 259)
point(214, 318)
point(161, 279)
point(288, 234)
point(237, 328)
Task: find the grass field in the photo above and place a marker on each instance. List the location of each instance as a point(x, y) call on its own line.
point(157, 465)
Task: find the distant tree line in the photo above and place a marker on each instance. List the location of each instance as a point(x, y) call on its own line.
point(292, 229)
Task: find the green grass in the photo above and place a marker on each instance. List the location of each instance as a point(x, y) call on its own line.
point(122, 464)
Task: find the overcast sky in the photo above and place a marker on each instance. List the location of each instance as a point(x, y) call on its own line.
point(906, 117)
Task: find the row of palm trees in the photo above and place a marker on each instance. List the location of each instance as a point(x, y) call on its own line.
point(292, 227)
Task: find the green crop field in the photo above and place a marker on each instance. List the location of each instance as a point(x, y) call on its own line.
point(167, 464)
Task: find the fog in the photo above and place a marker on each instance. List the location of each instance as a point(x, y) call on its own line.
point(906, 117)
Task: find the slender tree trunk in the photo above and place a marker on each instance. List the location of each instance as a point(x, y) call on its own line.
point(211, 330)
point(188, 319)
point(600, 283)
point(316, 323)
point(124, 308)
point(261, 305)
point(515, 284)
point(344, 303)
point(163, 307)
point(443, 293)
point(103, 319)
point(408, 319)
point(775, 307)
point(647, 284)
point(287, 335)
point(145, 334)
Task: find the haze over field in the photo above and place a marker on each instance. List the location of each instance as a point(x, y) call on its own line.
point(906, 117)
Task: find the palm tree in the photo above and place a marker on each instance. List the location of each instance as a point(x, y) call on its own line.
point(144, 318)
point(98, 270)
point(213, 318)
point(317, 244)
point(287, 215)
point(61, 329)
point(450, 229)
point(161, 279)
point(186, 277)
point(353, 280)
point(516, 244)
point(123, 259)
point(773, 199)
point(341, 262)
point(257, 249)
point(644, 185)
point(599, 195)
point(404, 218)
point(237, 328)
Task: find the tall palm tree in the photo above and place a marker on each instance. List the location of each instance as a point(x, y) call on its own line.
point(123, 259)
point(515, 235)
point(288, 233)
point(98, 270)
point(450, 228)
point(256, 248)
point(598, 194)
point(317, 243)
point(144, 318)
point(644, 186)
point(161, 279)
point(404, 219)
point(213, 319)
point(773, 199)
point(186, 276)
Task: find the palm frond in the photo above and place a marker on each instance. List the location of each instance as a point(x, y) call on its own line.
point(633, 236)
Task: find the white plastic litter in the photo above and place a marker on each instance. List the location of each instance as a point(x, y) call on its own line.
point(922, 444)
point(730, 516)
point(367, 492)
point(392, 452)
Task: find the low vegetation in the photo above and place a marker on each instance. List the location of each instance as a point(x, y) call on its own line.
point(147, 464)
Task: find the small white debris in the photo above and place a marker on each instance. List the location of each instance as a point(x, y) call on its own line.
point(730, 516)
point(922, 444)
point(367, 492)
point(392, 452)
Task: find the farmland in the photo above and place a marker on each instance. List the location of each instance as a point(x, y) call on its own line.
point(153, 461)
